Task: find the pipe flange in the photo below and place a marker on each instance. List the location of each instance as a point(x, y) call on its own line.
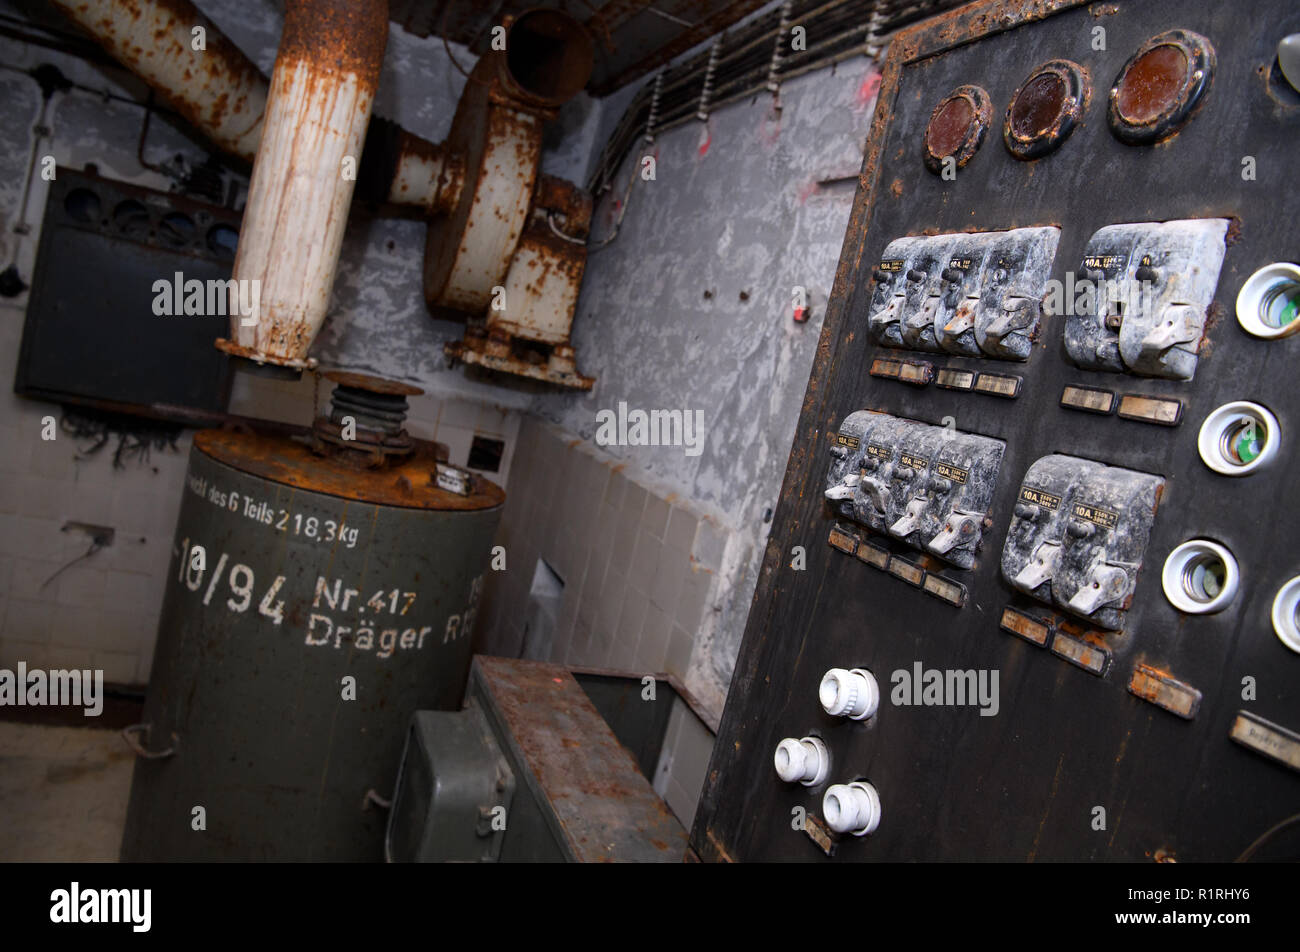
point(259, 358)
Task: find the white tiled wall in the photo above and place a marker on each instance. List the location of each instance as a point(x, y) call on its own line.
point(102, 611)
point(640, 572)
point(683, 762)
point(639, 568)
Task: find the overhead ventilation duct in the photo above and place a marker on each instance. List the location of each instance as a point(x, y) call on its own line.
point(505, 251)
point(516, 272)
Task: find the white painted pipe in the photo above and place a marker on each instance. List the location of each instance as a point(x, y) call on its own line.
point(186, 59)
point(322, 88)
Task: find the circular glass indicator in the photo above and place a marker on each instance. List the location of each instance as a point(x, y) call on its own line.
point(1204, 577)
point(1037, 105)
point(1244, 441)
point(1238, 438)
point(956, 128)
point(1045, 109)
point(83, 205)
point(1160, 86)
point(1281, 305)
point(1200, 577)
point(1153, 83)
point(1268, 304)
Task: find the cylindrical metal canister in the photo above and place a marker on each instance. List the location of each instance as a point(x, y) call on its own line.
point(311, 609)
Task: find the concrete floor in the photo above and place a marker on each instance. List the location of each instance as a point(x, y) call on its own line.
point(63, 793)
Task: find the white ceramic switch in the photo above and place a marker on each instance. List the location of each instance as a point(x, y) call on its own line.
point(849, 693)
point(852, 808)
point(802, 760)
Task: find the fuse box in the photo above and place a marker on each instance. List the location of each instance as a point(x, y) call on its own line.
point(1050, 605)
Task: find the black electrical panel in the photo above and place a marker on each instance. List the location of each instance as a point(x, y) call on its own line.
point(1033, 586)
point(129, 294)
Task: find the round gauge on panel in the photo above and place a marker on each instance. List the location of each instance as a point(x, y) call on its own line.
point(956, 128)
point(1160, 87)
point(1045, 109)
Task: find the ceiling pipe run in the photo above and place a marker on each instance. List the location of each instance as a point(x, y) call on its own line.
point(322, 88)
point(499, 234)
point(186, 59)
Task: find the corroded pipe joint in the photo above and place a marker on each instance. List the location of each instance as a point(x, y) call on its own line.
point(572, 204)
point(547, 60)
point(427, 174)
point(342, 38)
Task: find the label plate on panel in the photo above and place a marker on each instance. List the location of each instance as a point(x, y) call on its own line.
point(909, 572)
point(1161, 690)
point(1096, 515)
point(1031, 629)
point(873, 555)
point(842, 540)
point(916, 372)
point(1264, 737)
point(1092, 659)
point(1037, 497)
point(950, 379)
point(1086, 398)
point(998, 385)
point(1164, 411)
point(954, 593)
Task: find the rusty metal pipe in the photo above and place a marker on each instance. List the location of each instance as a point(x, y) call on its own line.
point(216, 87)
point(322, 88)
point(428, 175)
point(548, 57)
point(223, 94)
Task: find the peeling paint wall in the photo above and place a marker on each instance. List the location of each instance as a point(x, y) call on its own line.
point(690, 308)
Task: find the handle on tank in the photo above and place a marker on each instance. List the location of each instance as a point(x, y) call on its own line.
point(128, 735)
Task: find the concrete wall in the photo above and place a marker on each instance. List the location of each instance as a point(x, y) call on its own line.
point(690, 308)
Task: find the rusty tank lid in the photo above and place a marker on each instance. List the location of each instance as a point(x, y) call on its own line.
point(410, 483)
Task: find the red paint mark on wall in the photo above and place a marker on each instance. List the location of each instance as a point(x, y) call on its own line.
point(867, 91)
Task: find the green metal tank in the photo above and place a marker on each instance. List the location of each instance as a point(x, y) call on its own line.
point(318, 596)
